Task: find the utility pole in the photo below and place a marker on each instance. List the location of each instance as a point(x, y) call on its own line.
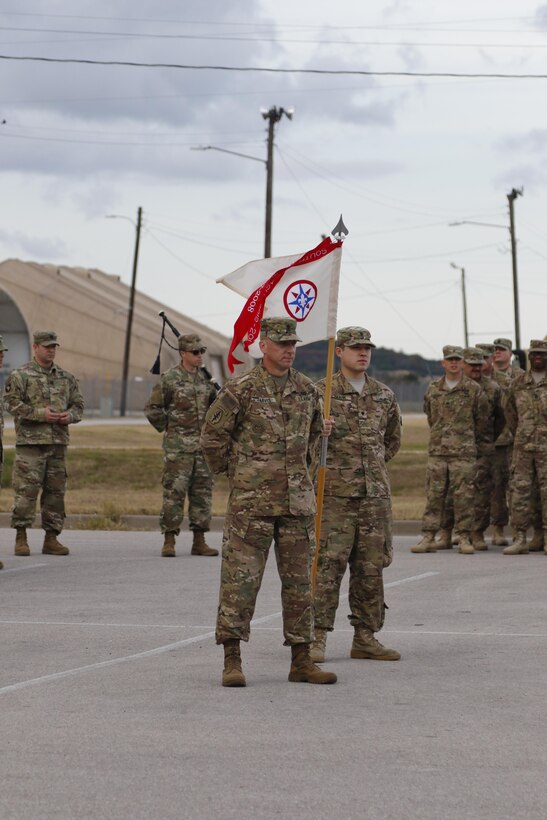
point(123, 398)
point(511, 196)
point(273, 116)
point(464, 302)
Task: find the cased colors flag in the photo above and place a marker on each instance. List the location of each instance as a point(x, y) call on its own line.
point(302, 286)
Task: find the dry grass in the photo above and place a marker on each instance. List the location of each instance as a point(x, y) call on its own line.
point(116, 471)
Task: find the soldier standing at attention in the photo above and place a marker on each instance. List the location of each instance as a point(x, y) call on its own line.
point(356, 521)
point(177, 408)
point(263, 431)
point(456, 410)
point(3, 349)
point(526, 416)
point(473, 366)
point(503, 373)
point(44, 400)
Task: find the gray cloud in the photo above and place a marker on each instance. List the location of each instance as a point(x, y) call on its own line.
point(34, 247)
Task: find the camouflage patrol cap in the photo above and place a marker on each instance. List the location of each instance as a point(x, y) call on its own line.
point(279, 329)
point(472, 355)
point(351, 336)
point(452, 352)
point(2, 345)
point(46, 338)
point(538, 346)
point(190, 341)
point(507, 344)
point(488, 350)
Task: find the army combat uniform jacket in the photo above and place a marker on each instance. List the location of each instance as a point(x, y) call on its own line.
point(29, 390)
point(496, 419)
point(265, 443)
point(526, 413)
point(366, 434)
point(177, 408)
point(457, 418)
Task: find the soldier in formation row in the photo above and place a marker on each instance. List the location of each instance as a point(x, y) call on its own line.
point(472, 450)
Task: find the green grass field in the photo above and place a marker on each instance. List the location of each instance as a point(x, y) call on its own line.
point(116, 471)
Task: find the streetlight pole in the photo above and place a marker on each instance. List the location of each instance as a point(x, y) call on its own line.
point(129, 326)
point(464, 302)
point(273, 116)
point(511, 196)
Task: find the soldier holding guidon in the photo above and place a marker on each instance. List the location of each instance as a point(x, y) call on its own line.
point(263, 432)
point(177, 408)
point(356, 521)
point(44, 399)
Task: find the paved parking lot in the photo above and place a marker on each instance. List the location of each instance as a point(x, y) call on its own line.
point(111, 704)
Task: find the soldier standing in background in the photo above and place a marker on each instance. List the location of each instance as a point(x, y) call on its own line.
point(177, 408)
point(526, 416)
point(3, 349)
point(263, 431)
point(456, 412)
point(503, 373)
point(44, 400)
point(473, 365)
point(356, 522)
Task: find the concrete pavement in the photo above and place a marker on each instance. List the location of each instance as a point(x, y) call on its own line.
point(111, 704)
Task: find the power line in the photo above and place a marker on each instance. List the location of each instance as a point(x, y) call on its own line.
point(261, 69)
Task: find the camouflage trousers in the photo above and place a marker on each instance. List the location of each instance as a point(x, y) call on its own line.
point(186, 474)
point(528, 489)
point(499, 510)
point(447, 475)
point(354, 531)
point(245, 549)
point(39, 467)
point(483, 483)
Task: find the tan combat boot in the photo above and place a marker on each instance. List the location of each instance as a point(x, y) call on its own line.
point(168, 549)
point(465, 545)
point(199, 547)
point(477, 539)
point(445, 540)
point(537, 542)
point(232, 674)
point(21, 543)
point(52, 546)
point(303, 670)
point(425, 544)
point(519, 545)
point(456, 539)
point(498, 538)
point(1, 565)
point(366, 647)
point(317, 650)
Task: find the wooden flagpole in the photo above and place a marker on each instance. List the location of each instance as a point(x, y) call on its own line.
point(323, 460)
point(339, 233)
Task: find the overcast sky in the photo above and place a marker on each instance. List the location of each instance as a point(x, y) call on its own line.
point(400, 156)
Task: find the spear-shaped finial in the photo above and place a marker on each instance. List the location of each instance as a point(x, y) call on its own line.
point(340, 231)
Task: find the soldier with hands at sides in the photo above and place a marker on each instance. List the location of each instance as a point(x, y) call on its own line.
point(263, 432)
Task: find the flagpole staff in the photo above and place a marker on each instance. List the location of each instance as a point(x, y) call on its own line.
point(339, 233)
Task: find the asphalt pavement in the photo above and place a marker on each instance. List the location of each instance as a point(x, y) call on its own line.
point(111, 704)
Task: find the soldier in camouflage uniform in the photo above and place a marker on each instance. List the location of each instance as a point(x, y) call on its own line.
point(263, 431)
point(526, 416)
point(356, 519)
point(3, 349)
point(503, 373)
point(473, 368)
point(456, 410)
point(44, 400)
point(177, 408)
